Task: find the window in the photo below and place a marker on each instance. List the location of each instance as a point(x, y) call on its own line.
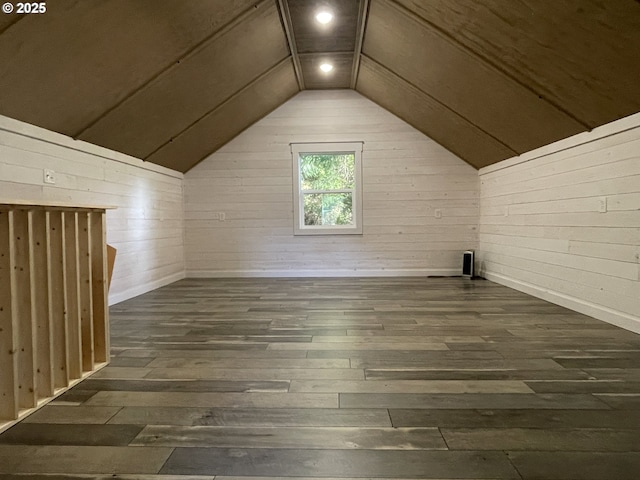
point(327, 186)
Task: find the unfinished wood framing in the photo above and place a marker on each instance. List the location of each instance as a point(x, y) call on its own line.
point(54, 325)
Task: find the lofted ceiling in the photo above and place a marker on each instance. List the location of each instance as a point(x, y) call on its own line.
point(171, 81)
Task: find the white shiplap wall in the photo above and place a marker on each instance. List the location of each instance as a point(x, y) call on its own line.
point(406, 177)
point(563, 222)
point(146, 228)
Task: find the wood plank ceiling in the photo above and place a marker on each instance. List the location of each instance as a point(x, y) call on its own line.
point(171, 82)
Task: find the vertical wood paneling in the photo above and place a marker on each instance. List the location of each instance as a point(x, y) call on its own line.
point(73, 293)
point(22, 315)
point(99, 286)
point(57, 298)
point(40, 296)
point(8, 334)
point(86, 303)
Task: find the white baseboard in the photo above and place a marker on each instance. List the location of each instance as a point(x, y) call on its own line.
point(614, 317)
point(428, 272)
point(147, 287)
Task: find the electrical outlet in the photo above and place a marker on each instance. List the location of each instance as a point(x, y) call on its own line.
point(437, 213)
point(49, 176)
point(222, 216)
point(602, 204)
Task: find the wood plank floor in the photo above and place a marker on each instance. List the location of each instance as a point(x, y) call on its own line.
point(396, 378)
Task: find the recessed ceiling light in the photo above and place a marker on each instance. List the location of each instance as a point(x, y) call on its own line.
point(326, 67)
point(324, 17)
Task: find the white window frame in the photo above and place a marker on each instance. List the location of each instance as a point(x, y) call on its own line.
point(299, 228)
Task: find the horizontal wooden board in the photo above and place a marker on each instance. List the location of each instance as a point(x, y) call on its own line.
point(87, 460)
point(146, 228)
point(429, 116)
point(560, 280)
point(531, 377)
point(532, 41)
point(64, 69)
point(225, 122)
point(461, 80)
point(249, 179)
point(194, 86)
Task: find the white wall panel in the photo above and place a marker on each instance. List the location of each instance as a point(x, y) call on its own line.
point(406, 176)
point(563, 222)
point(147, 226)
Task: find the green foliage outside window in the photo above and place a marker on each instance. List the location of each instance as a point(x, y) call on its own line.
point(327, 171)
point(327, 183)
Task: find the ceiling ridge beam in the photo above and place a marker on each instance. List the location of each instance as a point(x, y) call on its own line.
point(444, 105)
point(485, 60)
point(362, 23)
point(325, 54)
point(221, 104)
point(287, 24)
point(189, 53)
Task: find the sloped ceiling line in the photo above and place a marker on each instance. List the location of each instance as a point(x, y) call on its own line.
point(433, 118)
point(583, 54)
point(222, 105)
point(63, 69)
point(461, 80)
point(485, 79)
point(191, 89)
point(287, 26)
point(488, 61)
point(229, 120)
point(6, 22)
point(192, 51)
point(434, 100)
point(362, 24)
point(313, 44)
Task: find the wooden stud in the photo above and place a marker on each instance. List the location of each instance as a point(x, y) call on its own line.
point(22, 312)
point(72, 264)
point(56, 263)
point(53, 264)
point(40, 304)
point(86, 303)
point(8, 334)
point(99, 286)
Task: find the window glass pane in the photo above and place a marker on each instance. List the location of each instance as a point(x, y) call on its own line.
point(327, 171)
point(328, 209)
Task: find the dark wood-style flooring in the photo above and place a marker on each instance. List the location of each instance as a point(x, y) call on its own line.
point(444, 378)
